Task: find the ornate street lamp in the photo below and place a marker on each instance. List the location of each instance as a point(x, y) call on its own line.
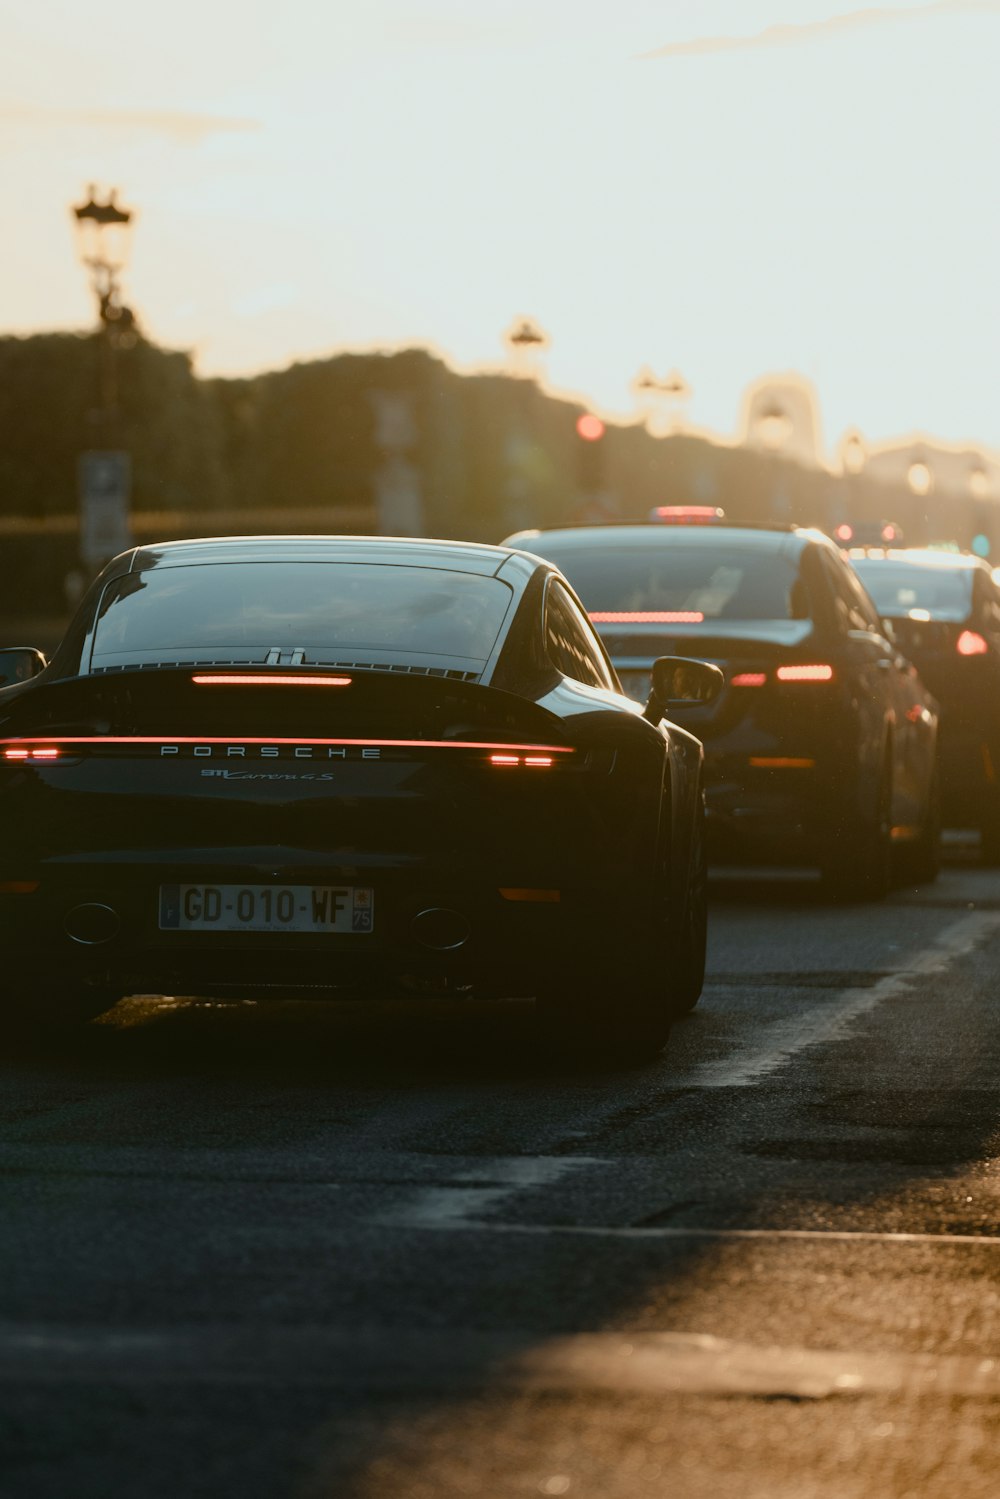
point(103, 232)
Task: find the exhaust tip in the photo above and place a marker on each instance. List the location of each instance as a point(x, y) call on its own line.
point(440, 928)
point(92, 923)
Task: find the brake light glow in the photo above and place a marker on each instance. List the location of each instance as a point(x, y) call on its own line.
point(687, 515)
point(535, 761)
point(971, 643)
point(748, 679)
point(648, 617)
point(41, 753)
point(809, 673)
point(250, 679)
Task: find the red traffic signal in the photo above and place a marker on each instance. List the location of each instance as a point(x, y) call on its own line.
point(589, 427)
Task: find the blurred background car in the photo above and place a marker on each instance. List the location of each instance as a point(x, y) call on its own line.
point(944, 608)
point(821, 749)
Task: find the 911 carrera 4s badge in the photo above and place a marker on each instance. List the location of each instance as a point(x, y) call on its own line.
point(266, 908)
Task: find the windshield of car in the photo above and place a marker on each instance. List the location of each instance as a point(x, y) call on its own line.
point(250, 608)
point(639, 583)
point(898, 588)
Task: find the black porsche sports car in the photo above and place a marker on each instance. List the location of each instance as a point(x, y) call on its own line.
point(320, 765)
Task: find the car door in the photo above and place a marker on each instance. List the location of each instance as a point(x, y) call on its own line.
point(897, 693)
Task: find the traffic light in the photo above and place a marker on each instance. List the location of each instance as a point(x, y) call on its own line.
point(590, 453)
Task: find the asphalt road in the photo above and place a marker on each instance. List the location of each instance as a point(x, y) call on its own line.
point(325, 1253)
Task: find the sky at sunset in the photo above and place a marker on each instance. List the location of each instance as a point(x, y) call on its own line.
point(727, 187)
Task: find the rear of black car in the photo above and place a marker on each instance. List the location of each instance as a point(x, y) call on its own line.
point(945, 614)
point(794, 745)
point(255, 788)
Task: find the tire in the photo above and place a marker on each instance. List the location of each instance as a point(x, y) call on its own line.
point(859, 868)
point(919, 862)
point(686, 962)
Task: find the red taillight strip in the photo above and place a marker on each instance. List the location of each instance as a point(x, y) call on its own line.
point(749, 679)
point(647, 617)
point(22, 755)
point(248, 679)
point(536, 761)
point(23, 746)
point(812, 673)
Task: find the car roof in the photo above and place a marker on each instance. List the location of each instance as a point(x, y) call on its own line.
point(453, 556)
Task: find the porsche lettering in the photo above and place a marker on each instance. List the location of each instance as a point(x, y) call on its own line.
point(272, 751)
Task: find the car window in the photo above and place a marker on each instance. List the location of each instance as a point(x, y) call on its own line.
point(338, 606)
point(899, 587)
point(855, 610)
point(571, 646)
point(639, 582)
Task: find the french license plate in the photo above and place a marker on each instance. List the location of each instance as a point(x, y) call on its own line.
point(266, 908)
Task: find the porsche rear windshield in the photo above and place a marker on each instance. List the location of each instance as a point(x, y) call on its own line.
point(897, 587)
point(244, 610)
point(705, 582)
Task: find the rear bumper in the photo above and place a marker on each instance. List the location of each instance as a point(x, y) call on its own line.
point(508, 939)
point(778, 815)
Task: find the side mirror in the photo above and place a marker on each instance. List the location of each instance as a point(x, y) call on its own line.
point(680, 683)
point(20, 663)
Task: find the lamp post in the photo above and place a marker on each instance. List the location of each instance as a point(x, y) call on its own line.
point(103, 232)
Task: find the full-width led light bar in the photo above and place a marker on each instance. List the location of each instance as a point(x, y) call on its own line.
point(20, 749)
point(266, 679)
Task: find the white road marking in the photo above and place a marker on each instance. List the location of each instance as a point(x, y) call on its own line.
point(777, 1043)
point(454, 1207)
